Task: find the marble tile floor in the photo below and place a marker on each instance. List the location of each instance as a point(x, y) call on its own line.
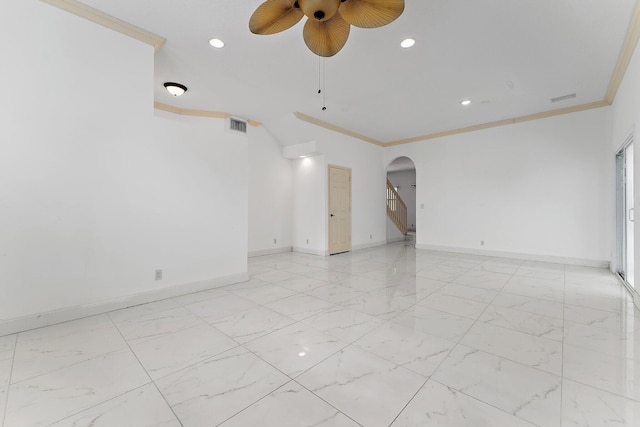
point(388, 336)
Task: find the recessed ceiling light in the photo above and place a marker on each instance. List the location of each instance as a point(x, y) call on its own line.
point(407, 43)
point(217, 43)
point(175, 89)
point(466, 102)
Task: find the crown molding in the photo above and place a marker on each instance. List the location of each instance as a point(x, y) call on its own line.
point(330, 126)
point(498, 123)
point(198, 113)
point(530, 117)
point(106, 20)
point(188, 112)
point(628, 48)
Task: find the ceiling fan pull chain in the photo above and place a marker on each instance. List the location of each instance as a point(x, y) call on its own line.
point(319, 74)
point(324, 84)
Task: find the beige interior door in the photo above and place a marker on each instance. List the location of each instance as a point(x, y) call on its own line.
point(339, 209)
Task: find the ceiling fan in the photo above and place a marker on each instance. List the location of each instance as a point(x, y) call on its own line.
point(328, 21)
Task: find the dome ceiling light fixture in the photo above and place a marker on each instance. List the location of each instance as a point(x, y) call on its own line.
point(175, 89)
point(328, 21)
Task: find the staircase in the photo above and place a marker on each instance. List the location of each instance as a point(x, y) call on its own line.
point(396, 209)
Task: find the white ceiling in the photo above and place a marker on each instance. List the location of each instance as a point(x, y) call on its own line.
point(508, 56)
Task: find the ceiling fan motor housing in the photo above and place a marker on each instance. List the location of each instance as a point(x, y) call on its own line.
point(328, 23)
point(319, 10)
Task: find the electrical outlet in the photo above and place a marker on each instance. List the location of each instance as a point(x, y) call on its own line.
point(307, 241)
point(370, 236)
point(275, 241)
point(158, 274)
point(421, 205)
point(481, 242)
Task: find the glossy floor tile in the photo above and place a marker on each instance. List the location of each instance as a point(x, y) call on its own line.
point(141, 407)
point(291, 406)
point(367, 388)
point(212, 391)
point(71, 390)
point(525, 392)
point(529, 323)
point(3, 401)
point(40, 351)
point(407, 347)
point(296, 348)
point(588, 406)
point(437, 405)
point(388, 336)
point(7, 345)
point(343, 323)
point(527, 349)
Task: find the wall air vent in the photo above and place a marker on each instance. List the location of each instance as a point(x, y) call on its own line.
point(236, 125)
point(563, 98)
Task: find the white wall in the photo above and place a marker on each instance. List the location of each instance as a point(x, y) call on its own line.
point(310, 205)
point(393, 234)
point(535, 188)
point(626, 106)
point(270, 189)
point(403, 180)
point(310, 191)
point(97, 192)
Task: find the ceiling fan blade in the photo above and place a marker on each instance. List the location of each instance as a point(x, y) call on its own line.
point(371, 13)
point(274, 16)
point(328, 37)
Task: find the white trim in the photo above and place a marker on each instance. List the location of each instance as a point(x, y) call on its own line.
point(515, 255)
point(21, 324)
point(353, 248)
point(310, 251)
point(396, 240)
point(369, 245)
point(263, 252)
point(628, 140)
point(101, 18)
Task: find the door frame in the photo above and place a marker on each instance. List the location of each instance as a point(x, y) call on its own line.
point(621, 210)
point(329, 246)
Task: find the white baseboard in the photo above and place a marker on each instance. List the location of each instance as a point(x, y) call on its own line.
point(264, 252)
point(368, 245)
point(396, 240)
point(515, 255)
point(21, 324)
point(326, 253)
point(310, 251)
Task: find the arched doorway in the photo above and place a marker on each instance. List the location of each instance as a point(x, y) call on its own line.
point(401, 200)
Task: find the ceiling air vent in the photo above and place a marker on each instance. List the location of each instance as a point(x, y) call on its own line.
point(237, 125)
